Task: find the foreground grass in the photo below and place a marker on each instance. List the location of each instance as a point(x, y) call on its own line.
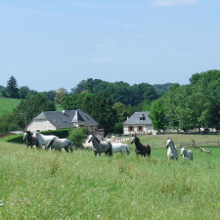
point(7, 105)
point(50, 185)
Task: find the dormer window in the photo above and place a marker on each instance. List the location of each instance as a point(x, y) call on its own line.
point(142, 118)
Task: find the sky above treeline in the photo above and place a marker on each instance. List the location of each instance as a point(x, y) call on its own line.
point(49, 44)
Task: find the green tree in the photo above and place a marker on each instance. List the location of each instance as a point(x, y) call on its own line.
point(213, 112)
point(60, 95)
point(78, 136)
point(157, 115)
point(11, 122)
point(34, 105)
point(50, 95)
point(121, 111)
point(23, 92)
point(11, 90)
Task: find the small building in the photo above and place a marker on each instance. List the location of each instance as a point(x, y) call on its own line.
point(138, 123)
point(54, 120)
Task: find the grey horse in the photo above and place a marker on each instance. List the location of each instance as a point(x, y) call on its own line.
point(100, 147)
point(59, 143)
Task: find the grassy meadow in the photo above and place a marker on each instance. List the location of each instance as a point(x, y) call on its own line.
point(51, 185)
point(7, 105)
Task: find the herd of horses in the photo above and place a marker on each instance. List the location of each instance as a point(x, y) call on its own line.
point(99, 147)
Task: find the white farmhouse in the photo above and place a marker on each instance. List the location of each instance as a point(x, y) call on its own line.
point(54, 120)
point(138, 123)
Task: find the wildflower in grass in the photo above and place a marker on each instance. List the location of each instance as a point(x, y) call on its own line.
point(1, 204)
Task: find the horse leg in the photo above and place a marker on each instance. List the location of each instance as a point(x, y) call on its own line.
point(71, 148)
point(66, 149)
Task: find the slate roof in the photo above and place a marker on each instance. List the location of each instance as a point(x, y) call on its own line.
point(139, 118)
point(66, 118)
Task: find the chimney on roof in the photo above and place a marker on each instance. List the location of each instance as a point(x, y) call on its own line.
point(63, 111)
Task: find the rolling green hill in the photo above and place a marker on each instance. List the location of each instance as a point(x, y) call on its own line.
point(7, 105)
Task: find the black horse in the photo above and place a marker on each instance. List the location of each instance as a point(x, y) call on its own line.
point(141, 149)
point(29, 139)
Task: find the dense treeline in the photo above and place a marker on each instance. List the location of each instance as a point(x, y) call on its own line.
point(190, 106)
point(172, 106)
point(120, 91)
point(108, 103)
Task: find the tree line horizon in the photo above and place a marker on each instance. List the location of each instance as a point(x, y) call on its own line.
point(171, 105)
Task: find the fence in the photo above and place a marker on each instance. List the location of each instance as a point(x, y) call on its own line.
point(158, 144)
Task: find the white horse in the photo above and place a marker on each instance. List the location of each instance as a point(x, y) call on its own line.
point(43, 140)
point(59, 143)
point(120, 147)
point(172, 152)
point(186, 153)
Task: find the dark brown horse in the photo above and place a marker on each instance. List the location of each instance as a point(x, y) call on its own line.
point(141, 149)
point(30, 139)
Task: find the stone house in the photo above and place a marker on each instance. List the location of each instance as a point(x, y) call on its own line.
point(54, 120)
point(138, 123)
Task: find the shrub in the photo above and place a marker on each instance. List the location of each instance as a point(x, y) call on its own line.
point(78, 136)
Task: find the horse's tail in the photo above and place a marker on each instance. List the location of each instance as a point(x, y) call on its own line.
point(50, 143)
point(110, 150)
point(127, 149)
point(149, 151)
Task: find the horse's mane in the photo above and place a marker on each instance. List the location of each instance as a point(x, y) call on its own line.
point(137, 138)
point(96, 139)
point(173, 143)
point(28, 132)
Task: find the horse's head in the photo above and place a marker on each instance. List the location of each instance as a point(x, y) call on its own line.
point(133, 138)
point(169, 141)
point(91, 137)
point(24, 135)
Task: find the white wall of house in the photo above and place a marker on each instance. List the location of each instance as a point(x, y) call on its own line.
point(92, 127)
point(40, 125)
point(130, 129)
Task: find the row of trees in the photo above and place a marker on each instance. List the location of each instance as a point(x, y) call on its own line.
point(12, 90)
point(184, 107)
point(108, 103)
point(118, 91)
point(190, 106)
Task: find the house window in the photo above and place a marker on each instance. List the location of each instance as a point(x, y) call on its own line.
point(142, 118)
point(140, 128)
point(130, 128)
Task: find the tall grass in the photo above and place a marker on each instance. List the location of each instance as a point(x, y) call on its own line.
point(51, 185)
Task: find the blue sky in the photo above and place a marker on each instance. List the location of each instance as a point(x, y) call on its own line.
point(46, 44)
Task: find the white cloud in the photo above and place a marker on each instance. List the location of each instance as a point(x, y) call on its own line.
point(174, 2)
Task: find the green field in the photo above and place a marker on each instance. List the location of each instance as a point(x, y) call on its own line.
point(7, 105)
point(50, 185)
